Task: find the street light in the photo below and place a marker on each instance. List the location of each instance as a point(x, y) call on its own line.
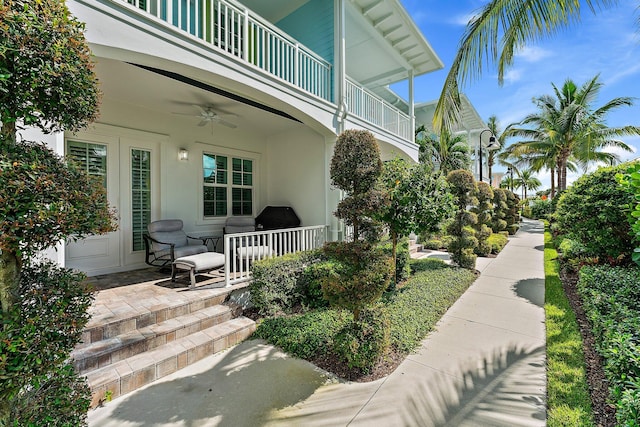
point(492, 139)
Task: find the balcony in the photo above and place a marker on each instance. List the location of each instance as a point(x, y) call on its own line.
point(239, 32)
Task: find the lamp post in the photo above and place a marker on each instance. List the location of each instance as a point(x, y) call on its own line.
point(492, 139)
point(510, 172)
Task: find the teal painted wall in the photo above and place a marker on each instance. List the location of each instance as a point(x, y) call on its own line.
point(312, 25)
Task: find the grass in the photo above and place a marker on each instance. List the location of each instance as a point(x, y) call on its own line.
point(413, 311)
point(568, 399)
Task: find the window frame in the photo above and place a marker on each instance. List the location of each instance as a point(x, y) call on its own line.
point(230, 154)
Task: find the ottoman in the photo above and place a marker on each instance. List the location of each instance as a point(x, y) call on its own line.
point(206, 261)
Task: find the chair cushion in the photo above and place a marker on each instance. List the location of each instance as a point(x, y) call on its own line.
point(167, 231)
point(257, 252)
point(199, 262)
point(239, 224)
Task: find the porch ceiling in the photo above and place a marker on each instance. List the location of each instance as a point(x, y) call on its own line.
point(383, 44)
point(144, 89)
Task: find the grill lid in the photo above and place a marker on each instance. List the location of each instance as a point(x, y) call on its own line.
point(275, 217)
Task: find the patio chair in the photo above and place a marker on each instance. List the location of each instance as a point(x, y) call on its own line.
point(166, 241)
point(252, 248)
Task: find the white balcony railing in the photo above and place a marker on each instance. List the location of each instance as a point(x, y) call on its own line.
point(367, 106)
point(237, 31)
point(242, 249)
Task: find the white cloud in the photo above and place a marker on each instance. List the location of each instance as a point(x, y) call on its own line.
point(462, 20)
point(512, 75)
point(532, 53)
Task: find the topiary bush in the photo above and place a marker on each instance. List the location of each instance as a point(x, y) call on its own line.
point(279, 284)
point(500, 208)
point(361, 275)
point(464, 242)
point(483, 210)
point(355, 169)
point(363, 342)
point(512, 216)
point(592, 212)
point(35, 340)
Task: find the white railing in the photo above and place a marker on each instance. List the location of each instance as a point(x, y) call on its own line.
point(367, 106)
point(243, 249)
point(236, 30)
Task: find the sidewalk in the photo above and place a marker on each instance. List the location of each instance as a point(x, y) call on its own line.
point(483, 366)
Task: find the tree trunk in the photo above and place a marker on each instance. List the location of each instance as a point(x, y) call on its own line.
point(9, 279)
point(553, 188)
point(394, 241)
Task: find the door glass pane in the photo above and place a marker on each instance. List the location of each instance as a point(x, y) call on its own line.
point(140, 196)
point(90, 157)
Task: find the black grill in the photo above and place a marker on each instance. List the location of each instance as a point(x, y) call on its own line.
point(276, 217)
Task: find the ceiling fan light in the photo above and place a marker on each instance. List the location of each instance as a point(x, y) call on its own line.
point(183, 154)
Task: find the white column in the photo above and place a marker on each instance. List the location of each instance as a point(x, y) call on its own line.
point(412, 112)
point(339, 66)
point(332, 195)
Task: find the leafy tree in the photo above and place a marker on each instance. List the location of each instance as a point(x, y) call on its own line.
point(445, 153)
point(462, 247)
point(483, 210)
point(494, 34)
point(46, 81)
point(629, 180)
point(355, 169)
point(418, 199)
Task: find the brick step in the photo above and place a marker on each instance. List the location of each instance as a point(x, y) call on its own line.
point(136, 371)
point(98, 354)
point(116, 320)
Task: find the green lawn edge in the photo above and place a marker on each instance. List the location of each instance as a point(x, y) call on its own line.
point(568, 399)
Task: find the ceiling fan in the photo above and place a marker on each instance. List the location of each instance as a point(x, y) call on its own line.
point(207, 114)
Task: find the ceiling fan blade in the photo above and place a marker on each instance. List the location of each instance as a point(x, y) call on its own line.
point(203, 123)
point(203, 111)
point(226, 123)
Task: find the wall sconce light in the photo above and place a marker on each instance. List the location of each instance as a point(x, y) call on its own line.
point(183, 154)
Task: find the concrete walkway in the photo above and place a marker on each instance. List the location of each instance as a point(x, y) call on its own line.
point(483, 366)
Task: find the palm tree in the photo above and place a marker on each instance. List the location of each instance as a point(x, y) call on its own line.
point(527, 181)
point(446, 153)
point(566, 128)
point(493, 36)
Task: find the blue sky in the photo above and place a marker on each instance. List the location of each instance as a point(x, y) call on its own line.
point(607, 43)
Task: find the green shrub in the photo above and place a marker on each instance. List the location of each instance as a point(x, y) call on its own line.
point(512, 217)
point(402, 258)
point(308, 335)
point(611, 300)
point(277, 285)
point(592, 212)
point(483, 211)
point(416, 308)
point(36, 338)
point(497, 242)
point(361, 343)
point(540, 208)
point(526, 211)
point(361, 275)
point(500, 209)
point(571, 249)
point(462, 247)
point(630, 182)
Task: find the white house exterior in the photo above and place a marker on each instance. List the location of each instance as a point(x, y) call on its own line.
point(278, 81)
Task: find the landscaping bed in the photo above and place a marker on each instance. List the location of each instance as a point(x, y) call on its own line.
point(412, 308)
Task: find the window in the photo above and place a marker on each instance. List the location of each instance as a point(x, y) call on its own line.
point(140, 195)
point(90, 157)
point(221, 184)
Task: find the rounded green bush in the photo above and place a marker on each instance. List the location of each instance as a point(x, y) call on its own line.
point(592, 212)
point(363, 342)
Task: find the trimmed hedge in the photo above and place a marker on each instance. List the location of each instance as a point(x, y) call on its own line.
point(281, 283)
point(611, 299)
point(412, 310)
point(497, 242)
point(592, 212)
